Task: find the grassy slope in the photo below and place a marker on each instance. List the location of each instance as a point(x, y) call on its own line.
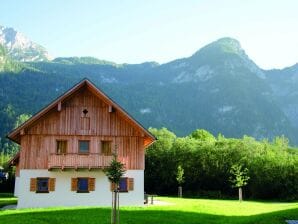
point(181, 211)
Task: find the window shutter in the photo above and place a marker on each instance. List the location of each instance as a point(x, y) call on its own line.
point(91, 184)
point(52, 182)
point(112, 186)
point(74, 184)
point(130, 184)
point(33, 184)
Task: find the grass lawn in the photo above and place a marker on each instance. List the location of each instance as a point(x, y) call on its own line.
point(179, 211)
point(7, 199)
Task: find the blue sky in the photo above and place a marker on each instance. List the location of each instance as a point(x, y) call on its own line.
point(132, 31)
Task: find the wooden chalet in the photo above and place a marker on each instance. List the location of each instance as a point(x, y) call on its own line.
point(76, 134)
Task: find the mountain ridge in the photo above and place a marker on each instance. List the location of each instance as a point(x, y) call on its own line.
point(218, 88)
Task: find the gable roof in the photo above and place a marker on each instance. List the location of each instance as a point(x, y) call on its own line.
point(15, 134)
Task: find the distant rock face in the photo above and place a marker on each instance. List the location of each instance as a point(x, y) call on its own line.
point(20, 48)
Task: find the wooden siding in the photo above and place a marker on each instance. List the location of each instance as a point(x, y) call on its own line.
point(68, 121)
point(38, 152)
point(38, 144)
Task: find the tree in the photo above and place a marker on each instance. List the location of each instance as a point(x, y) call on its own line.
point(160, 165)
point(180, 179)
point(21, 119)
point(202, 135)
point(114, 173)
point(239, 178)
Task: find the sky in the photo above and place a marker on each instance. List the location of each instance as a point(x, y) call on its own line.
point(135, 31)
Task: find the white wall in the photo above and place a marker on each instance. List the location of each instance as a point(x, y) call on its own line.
point(16, 186)
point(63, 196)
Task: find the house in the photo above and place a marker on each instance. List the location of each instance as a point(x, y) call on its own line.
point(65, 147)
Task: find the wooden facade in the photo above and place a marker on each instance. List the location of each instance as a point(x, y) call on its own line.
point(82, 113)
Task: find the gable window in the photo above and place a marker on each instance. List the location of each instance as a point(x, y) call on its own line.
point(61, 146)
point(82, 185)
point(84, 146)
point(106, 148)
point(42, 185)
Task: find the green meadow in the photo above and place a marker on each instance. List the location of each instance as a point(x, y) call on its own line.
point(170, 210)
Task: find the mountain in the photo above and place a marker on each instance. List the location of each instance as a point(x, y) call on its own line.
point(284, 83)
point(20, 48)
point(218, 88)
point(7, 64)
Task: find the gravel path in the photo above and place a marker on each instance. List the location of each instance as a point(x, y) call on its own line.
point(292, 221)
point(6, 207)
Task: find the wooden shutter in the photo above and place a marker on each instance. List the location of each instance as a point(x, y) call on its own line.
point(33, 184)
point(112, 186)
point(74, 184)
point(52, 182)
point(130, 184)
point(91, 184)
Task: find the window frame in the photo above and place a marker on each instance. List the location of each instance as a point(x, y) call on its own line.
point(66, 143)
point(79, 148)
point(38, 190)
point(78, 182)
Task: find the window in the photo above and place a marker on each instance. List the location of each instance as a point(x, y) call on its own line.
point(82, 185)
point(123, 185)
point(106, 148)
point(84, 146)
point(42, 185)
point(61, 146)
point(126, 184)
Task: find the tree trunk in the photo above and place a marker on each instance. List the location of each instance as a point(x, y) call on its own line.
point(240, 194)
point(114, 207)
point(180, 192)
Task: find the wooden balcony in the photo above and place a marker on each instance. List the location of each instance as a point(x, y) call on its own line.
point(78, 161)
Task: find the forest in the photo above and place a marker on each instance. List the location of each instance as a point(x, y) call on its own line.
point(207, 161)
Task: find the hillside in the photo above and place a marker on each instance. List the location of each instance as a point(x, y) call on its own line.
point(218, 88)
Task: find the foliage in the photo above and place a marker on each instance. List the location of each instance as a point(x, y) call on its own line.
point(179, 211)
point(115, 170)
point(21, 119)
point(239, 176)
point(180, 175)
point(203, 135)
point(272, 167)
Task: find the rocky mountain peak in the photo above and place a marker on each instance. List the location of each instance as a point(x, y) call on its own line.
point(21, 48)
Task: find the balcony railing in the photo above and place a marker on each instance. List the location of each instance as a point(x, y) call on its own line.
point(76, 161)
